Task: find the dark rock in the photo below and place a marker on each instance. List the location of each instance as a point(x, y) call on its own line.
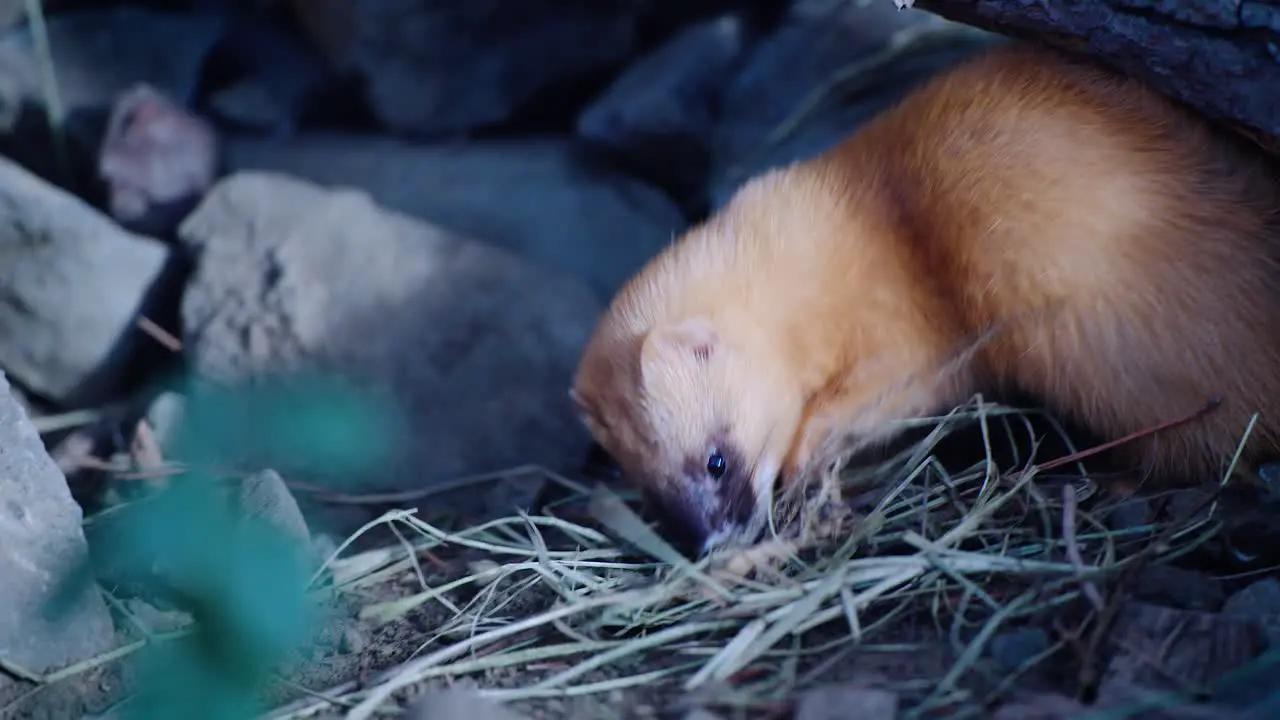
point(435, 68)
point(858, 58)
point(264, 76)
point(1220, 58)
point(1131, 513)
point(658, 116)
point(544, 200)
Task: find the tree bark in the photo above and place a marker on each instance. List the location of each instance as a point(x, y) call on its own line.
point(1221, 57)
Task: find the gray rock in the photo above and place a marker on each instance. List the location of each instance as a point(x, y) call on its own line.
point(541, 200)
point(71, 285)
point(443, 67)
point(41, 540)
point(804, 59)
point(471, 348)
point(264, 496)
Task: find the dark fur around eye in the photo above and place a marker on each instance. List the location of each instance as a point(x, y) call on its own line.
point(731, 475)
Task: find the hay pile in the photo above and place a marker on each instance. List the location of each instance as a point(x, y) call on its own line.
point(971, 553)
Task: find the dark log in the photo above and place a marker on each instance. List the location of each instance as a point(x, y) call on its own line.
point(1221, 57)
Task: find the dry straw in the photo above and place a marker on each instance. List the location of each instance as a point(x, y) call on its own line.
point(989, 545)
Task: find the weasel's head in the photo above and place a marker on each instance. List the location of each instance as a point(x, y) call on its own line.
point(698, 419)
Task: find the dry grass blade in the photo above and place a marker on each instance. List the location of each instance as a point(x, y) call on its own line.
point(987, 543)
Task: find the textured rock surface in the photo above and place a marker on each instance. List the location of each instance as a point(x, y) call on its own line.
point(1221, 58)
point(71, 285)
point(472, 348)
point(40, 540)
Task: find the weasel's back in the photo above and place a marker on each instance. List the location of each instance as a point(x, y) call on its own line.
point(1128, 250)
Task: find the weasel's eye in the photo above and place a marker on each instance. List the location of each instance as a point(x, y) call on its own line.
point(716, 465)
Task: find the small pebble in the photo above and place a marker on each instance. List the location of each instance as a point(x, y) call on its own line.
point(1129, 514)
point(1015, 648)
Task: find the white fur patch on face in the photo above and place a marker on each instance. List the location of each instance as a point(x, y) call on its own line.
point(762, 483)
point(734, 535)
point(766, 475)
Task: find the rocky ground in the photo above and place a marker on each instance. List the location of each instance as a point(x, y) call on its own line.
point(341, 258)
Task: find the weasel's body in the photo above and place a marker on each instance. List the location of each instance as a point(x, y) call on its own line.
point(1118, 255)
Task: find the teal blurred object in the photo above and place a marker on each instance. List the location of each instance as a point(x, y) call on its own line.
point(242, 579)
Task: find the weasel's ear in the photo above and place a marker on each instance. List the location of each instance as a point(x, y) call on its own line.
point(587, 413)
point(671, 345)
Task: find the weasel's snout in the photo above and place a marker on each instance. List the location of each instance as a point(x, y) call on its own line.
point(697, 514)
point(682, 522)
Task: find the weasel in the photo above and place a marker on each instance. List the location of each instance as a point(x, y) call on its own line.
point(1121, 254)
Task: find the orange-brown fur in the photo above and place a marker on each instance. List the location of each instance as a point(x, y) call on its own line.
point(1124, 253)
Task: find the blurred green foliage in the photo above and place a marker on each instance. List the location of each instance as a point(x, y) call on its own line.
point(243, 580)
point(321, 424)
